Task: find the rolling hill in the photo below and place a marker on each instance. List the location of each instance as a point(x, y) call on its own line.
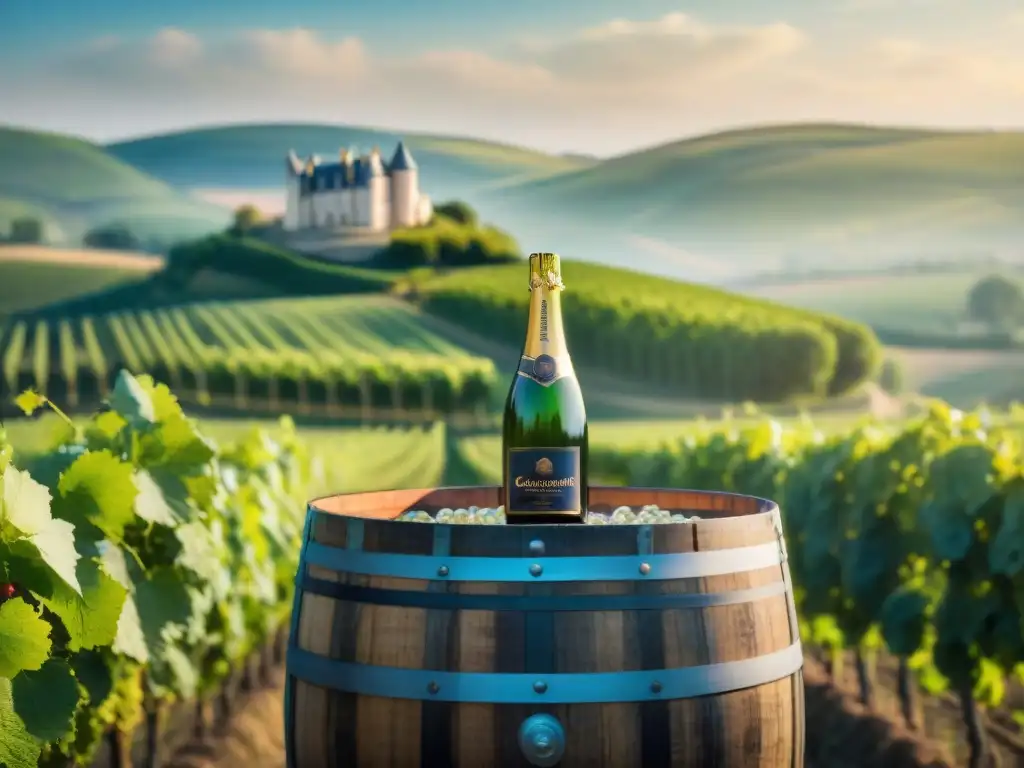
point(790, 191)
point(32, 277)
point(253, 156)
point(72, 185)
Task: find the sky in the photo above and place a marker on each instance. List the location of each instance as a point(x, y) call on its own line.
point(593, 76)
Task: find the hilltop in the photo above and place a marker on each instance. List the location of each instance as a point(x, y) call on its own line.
point(792, 190)
point(72, 185)
point(253, 156)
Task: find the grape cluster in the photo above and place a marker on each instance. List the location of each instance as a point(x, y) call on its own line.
point(649, 514)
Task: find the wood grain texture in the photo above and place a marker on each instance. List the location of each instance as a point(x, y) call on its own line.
point(757, 727)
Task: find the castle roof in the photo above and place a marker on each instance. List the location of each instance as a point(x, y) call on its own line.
point(402, 160)
point(350, 170)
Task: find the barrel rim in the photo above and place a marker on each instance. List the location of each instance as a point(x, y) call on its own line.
point(767, 507)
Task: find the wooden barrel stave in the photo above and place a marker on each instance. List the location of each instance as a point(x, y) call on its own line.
point(756, 726)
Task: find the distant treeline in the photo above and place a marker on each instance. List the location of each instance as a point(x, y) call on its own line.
point(917, 267)
point(701, 342)
point(454, 238)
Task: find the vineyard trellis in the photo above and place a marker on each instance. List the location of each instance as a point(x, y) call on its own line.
point(362, 353)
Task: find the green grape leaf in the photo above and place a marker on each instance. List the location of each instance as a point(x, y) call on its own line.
point(969, 475)
point(46, 700)
point(150, 503)
point(115, 563)
point(26, 504)
point(55, 547)
point(131, 400)
point(1006, 551)
point(48, 467)
point(24, 638)
point(130, 640)
point(104, 429)
point(98, 488)
point(95, 674)
point(26, 509)
point(165, 404)
point(17, 747)
point(951, 530)
point(199, 552)
point(164, 607)
point(904, 620)
point(175, 671)
point(30, 401)
point(90, 618)
point(176, 443)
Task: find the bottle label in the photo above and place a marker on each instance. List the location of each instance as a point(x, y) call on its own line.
point(543, 481)
point(545, 369)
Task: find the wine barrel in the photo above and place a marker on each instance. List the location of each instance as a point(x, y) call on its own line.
point(433, 645)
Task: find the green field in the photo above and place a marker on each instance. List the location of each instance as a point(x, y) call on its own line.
point(252, 156)
point(74, 185)
point(28, 284)
point(927, 303)
point(780, 189)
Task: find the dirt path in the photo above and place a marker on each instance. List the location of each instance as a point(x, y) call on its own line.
point(83, 257)
point(253, 738)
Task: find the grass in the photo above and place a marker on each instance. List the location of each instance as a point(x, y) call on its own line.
point(934, 303)
point(965, 378)
point(75, 185)
point(31, 278)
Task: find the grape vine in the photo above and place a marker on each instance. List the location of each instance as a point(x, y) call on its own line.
point(908, 536)
point(139, 561)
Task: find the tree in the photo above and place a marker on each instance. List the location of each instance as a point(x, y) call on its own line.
point(996, 301)
point(113, 236)
point(247, 217)
point(26, 230)
point(458, 211)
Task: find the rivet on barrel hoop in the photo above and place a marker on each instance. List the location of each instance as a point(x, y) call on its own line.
point(433, 687)
point(442, 571)
point(645, 568)
point(542, 740)
point(655, 687)
point(536, 547)
point(536, 569)
point(540, 686)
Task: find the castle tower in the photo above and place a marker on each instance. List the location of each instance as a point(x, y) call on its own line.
point(405, 189)
point(292, 182)
point(378, 190)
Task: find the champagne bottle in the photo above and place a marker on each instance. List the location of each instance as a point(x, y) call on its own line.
point(544, 435)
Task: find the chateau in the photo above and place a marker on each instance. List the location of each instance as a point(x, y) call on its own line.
point(355, 192)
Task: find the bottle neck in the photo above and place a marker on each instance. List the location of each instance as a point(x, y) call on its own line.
point(545, 334)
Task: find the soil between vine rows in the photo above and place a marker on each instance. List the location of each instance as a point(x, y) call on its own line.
point(840, 733)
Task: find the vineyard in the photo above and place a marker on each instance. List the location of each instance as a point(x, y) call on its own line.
point(906, 543)
point(142, 561)
point(355, 353)
point(696, 341)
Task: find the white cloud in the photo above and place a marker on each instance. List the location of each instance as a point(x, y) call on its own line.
point(298, 53)
point(175, 48)
point(619, 84)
